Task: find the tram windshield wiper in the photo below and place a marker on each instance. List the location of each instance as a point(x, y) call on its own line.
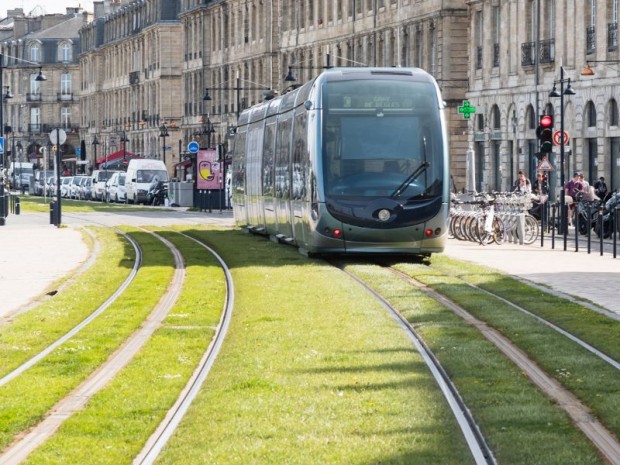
point(412, 177)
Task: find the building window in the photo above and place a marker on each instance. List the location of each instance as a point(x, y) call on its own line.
point(35, 53)
point(591, 115)
point(65, 84)
point(65, 117)
point(66, 52)
point(613, 112)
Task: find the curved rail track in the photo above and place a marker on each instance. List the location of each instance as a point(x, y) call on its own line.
point(163, 433)
point(476, 442)
point(76, 400)
point(605, 441)
point(75, 330)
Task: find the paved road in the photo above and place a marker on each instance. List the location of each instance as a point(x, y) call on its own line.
point(33, 254)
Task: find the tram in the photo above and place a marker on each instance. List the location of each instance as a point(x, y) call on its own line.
point(354, 161)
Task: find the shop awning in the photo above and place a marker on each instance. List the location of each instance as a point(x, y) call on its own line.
point(115, 156)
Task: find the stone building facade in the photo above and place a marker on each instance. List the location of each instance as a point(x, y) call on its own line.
point(34, 46)
point(519, 52)
point(131, 93)
point(191, 65)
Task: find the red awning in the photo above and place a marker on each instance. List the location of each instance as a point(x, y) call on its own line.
point(115, 155)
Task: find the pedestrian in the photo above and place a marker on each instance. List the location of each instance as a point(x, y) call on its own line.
point(522, 184)
point(600, 189)
point(572, 189)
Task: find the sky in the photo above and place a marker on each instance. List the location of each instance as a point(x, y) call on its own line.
point(50, 6)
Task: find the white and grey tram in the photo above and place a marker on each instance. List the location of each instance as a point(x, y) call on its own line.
point(352, 162)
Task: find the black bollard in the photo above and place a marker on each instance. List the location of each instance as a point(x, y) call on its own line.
point(53, 213)
point(18, 206)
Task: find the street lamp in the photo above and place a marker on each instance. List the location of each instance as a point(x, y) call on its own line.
point(124, 140)
point(95, 144)
point(554, 93)
point(587, 71)
point(163, 133)
point(6, 129)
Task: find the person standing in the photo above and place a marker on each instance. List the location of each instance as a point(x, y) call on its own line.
point(522, 184)
point(572, 188)
point(600, 189)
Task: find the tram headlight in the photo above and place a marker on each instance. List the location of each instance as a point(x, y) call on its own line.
point(384, 214)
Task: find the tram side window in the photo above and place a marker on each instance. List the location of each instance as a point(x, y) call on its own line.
point(268, 159)
point(300, 156)
point(239, 165)
point(283, 137)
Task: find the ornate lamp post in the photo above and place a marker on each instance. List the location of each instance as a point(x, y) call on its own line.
point(554, 93)
point(163, 133)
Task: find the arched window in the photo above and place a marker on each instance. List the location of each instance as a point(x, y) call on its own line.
point(531, 118)
point(35, 52)
point(495, 117)
point(590, 115)
point(480, 122)
point(65, 52)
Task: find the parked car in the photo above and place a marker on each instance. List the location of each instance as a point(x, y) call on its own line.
point(74, 189)
point(86, 188)
point(65, 184)
point(115, 188)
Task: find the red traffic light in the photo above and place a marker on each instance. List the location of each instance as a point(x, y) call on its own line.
point(546, 121)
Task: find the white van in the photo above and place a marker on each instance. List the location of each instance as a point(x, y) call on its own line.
point(140, 175)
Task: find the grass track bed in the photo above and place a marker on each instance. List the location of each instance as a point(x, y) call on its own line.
point(313, 371)
point(592, 380)
point(25, 400)
point(521, 425)
point(120, 418)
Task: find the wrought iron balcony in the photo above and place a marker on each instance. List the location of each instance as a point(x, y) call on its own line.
point(65, 96)
point(495, 55)
point(30, 97)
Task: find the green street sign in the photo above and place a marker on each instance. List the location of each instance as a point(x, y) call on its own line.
point(467, 109)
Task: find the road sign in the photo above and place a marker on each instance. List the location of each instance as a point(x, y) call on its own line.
point(58, 136)
point(1, 145)
point(545, 165)
point(557, 140)
point(193, 147)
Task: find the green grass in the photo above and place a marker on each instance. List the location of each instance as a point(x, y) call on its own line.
point(25, 400)
point(521, 425)
point(592, 380)
point(41, 205)
point(30, 332)
point(119, 419)
point(313, 371)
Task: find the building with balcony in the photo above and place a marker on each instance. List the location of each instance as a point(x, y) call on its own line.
point(46, 45)
point(131, 66)
point(532, 44)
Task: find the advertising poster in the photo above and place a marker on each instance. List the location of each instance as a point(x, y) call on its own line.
point(209, 170)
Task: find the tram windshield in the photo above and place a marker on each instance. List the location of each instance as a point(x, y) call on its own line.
point(377, 135)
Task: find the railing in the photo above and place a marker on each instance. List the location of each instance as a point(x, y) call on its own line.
point(134, 77)
point(590, 39)
point(64, 97)
point(30, 97)
point(495, 55)
point(547, 51)
point(528, 50)
point(612, 36)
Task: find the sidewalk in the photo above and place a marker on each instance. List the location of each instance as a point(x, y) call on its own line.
point(587, 277)
point(34, 254)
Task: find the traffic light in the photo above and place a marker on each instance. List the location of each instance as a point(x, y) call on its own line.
point(544, 132)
